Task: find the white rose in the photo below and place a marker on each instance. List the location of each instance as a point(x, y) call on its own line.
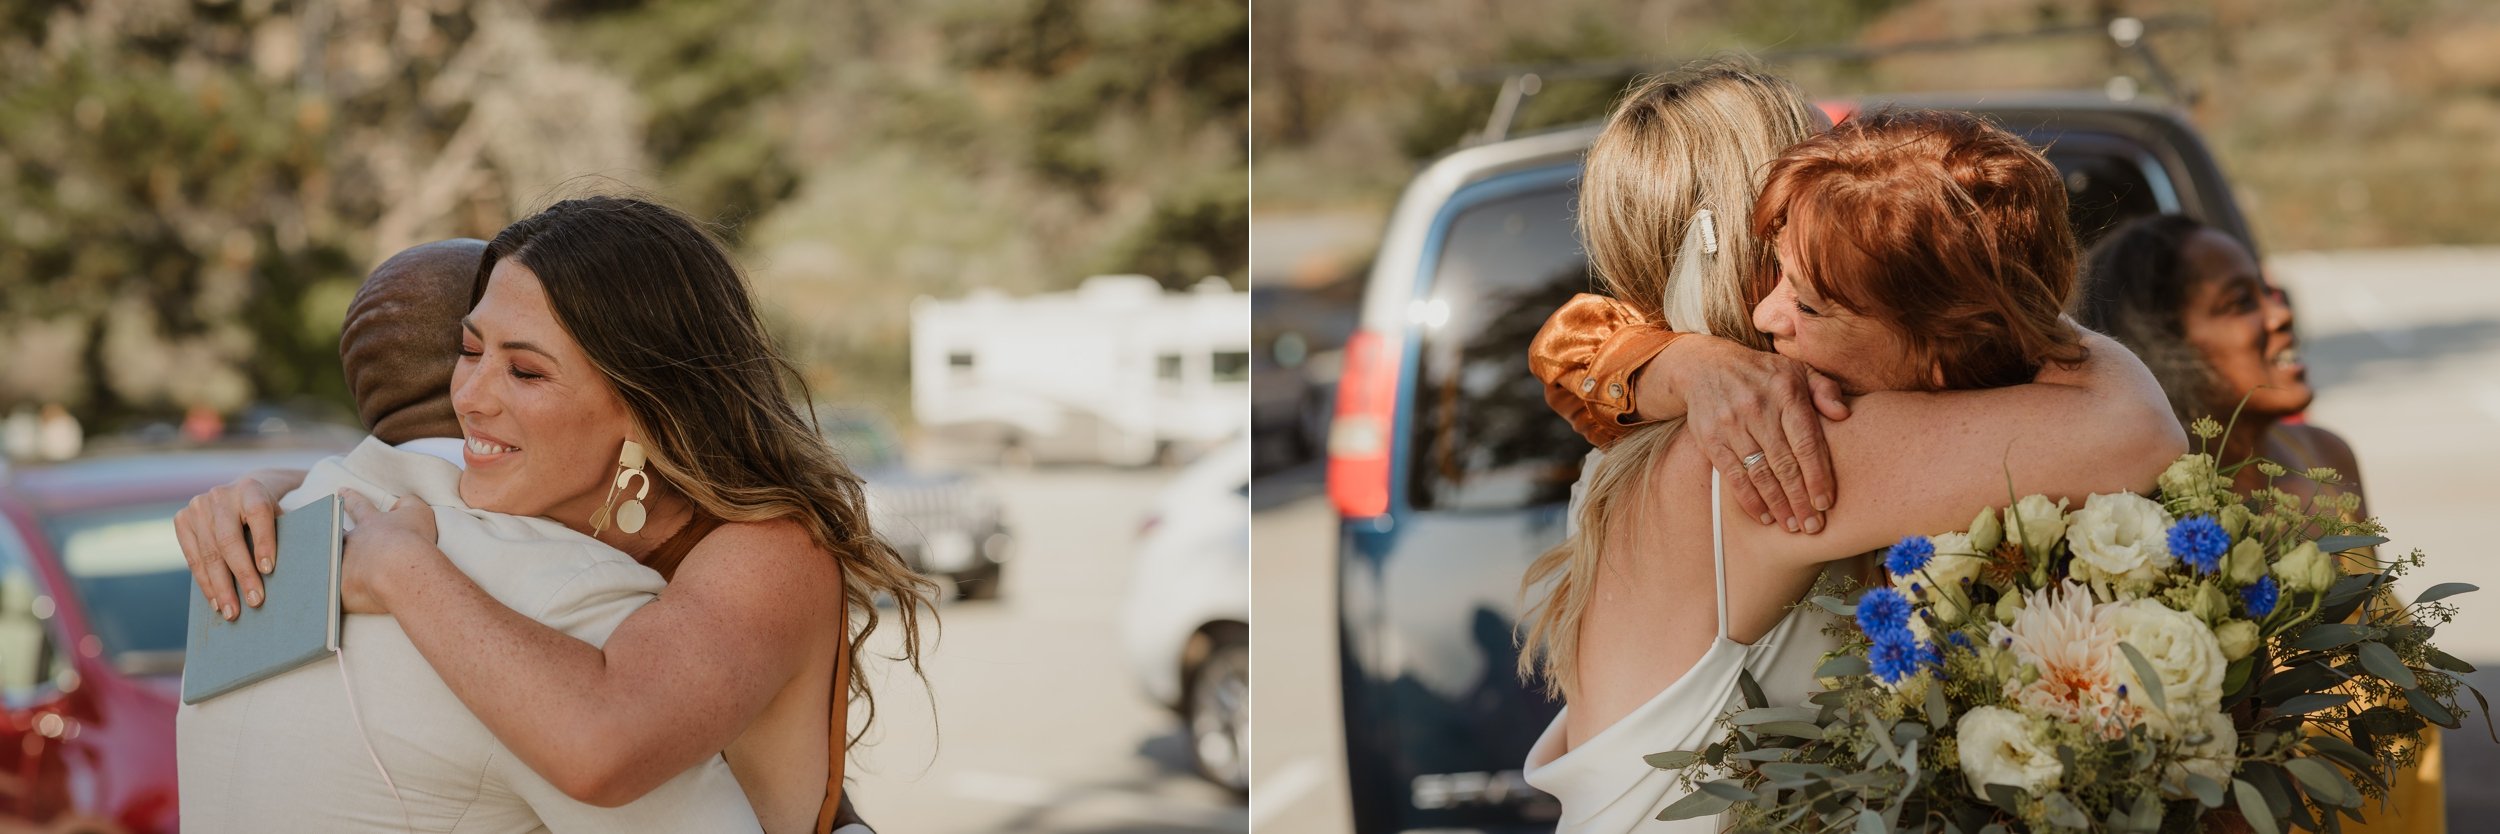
point(2211, 753)
point(1986, 532)
point(2119, 539)
point(2305, 569)
point(2181, 650)
point(1997, 749)
point(2037, 523)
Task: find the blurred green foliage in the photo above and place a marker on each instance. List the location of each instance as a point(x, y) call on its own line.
point(189, 193)
point(2340, 124)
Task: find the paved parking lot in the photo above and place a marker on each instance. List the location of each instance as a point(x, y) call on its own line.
point(1039, 726)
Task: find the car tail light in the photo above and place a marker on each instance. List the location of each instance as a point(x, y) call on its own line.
point(1837, 110)
point(1359, 441)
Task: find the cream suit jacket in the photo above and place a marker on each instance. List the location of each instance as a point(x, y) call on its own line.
point(287, 754)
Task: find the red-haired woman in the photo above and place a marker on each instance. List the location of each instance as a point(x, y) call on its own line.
point(1910, 254)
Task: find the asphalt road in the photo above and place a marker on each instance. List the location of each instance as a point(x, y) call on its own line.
point(2403, 347)
point(1039, 726)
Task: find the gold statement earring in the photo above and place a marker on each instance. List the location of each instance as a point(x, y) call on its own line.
point(631, 515)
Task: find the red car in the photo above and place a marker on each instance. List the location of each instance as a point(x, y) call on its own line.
point(93, 600)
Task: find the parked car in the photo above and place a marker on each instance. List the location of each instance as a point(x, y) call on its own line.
point(1450, 474)
point(1297, 337)
point(1186, 624)
point(946, 522)
point(94, 598)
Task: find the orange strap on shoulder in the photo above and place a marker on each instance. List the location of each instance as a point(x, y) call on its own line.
point(832, 805)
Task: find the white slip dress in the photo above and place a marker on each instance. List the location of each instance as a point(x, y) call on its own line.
point(1604, 786)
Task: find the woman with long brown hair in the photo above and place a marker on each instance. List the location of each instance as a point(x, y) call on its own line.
point(614, 377)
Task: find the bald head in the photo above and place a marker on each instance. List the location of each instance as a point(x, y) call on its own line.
point(403, 337)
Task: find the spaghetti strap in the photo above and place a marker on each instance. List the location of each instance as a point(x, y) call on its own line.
point(1718, 552)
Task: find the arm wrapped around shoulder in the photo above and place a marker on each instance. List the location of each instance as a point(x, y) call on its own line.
point(1587, 355)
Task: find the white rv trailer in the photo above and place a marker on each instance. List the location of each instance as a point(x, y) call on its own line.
point(1116, 371)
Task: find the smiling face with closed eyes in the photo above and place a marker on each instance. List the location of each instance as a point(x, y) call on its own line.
point(542, 424)
point(1855, 350)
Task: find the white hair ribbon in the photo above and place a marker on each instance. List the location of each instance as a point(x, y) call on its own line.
point(1686, 283)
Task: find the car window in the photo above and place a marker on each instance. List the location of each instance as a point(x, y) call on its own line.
point(29, 662)
point(1231, 366)
point(2109, 181)
point(126, 566)
point(1480, 435)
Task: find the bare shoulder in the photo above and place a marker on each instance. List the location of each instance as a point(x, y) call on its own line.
point(776, 556)
point(2323, 447)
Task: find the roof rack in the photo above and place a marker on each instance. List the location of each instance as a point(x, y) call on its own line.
point(1521, 82)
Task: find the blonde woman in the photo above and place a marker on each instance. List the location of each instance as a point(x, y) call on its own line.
point(1666, 593)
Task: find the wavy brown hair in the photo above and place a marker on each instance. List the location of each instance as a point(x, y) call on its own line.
point(1948, 230)
point(654, 300)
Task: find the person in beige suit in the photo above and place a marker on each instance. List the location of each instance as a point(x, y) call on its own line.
point(308, 750)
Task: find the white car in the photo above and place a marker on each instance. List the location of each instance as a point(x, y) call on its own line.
point(1187, 621)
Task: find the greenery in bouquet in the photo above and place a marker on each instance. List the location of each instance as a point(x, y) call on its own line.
point(2201, 660)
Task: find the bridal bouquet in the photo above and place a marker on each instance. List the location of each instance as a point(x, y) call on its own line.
point(2200, 660)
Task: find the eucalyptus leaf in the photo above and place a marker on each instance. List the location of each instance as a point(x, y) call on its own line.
point(2339, 544)
point(1939, 714)
point(1766, 715)
point(1696, 804)
point(2147, 815)
point(1909, 764)
point(2007, 797)
point(2324, 782)
point(1765, 754)
point(2312, 702)
point(2479, 701)
point(1795, 729)
point(1870, 822)
point(2253, 807)
point(2064, 813)
point(1839, 609)
point(2309, 676)
point(2444, 590)
point(2431, 709)
point(2208, 792)
point(1728, 789)
point(2381, 661)
point(2444, 660)
point(2342, 751)
point(1841, 666)
point(2145, 675)
point(1673, 759)
point(2330, 635)
point(2236, 675)
point(1796, 772)
point(1751, 688)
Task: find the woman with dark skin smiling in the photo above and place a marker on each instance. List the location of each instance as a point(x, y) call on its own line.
point(614, 377)
point(2193, 304)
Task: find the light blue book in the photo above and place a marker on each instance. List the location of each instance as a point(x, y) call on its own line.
point(297, 621)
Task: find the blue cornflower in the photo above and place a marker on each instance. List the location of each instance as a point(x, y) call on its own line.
point(1958, 640)
point(2260, 597)
point(1882, 610)
point(1910, 555)
point(2200, 542)
point(1896, 655)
